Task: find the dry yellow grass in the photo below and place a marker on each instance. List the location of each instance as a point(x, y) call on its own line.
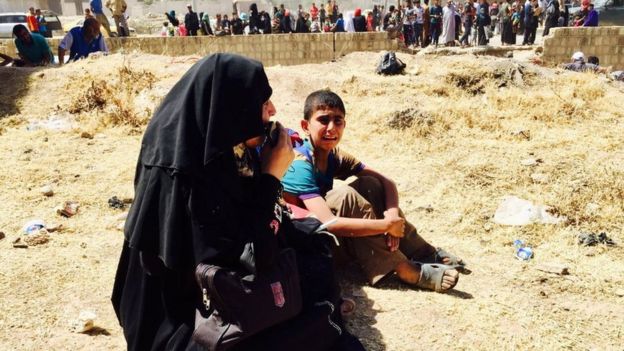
point(452, 132)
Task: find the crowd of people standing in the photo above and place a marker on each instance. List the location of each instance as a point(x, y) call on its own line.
point(475, 22)
point(414, 23)
point(326, 17)
point(417, 23)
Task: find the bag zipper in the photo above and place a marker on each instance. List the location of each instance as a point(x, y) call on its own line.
point(211, 272)
point(205, 297)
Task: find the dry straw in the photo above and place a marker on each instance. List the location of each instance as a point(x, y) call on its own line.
point(457, 134)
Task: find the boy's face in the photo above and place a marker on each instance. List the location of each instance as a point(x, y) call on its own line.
point(325, 128)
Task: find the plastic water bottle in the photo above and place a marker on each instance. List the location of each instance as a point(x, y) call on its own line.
point(33, 226)
point(523, 252)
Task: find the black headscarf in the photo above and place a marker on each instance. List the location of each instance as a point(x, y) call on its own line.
point(187, 165)
point(215, 105)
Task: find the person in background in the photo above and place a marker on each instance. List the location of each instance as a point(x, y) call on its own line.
point(494, 18)
point(504, 13)
point(552, 16)
point(327, 26)
point(467, 20)
point(218, 25)
point(265, 22)
point(315, 26)
point(387, 17)
point(164, 31)
point(226, 25)
point(448, 24)
point(31, 20)
point(329, 10)
point(32, 48)
point(181, 30)
point(118, 8)
point(530, 22)
point(376, 18)
point(592, 17)
point(578, 64)
point(435, 13)
point(338, 27)
point(254, 19)
point(515, 18)
point(483, 20)
point(314, 11)
point(301, 26)
point(359, 22)
point(96, 9)
point(426, 32)
point(171, 17)
point(88, 14)
point(285, 22)
point(408, 24)
point(82, 41)
point(300, 11)
point(191, 21)
point(205, 24)
point(236, 25)
point(43, 24)
point(370, 22)
point(458, 20)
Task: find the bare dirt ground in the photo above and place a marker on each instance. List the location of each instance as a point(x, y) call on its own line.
point(454, 132)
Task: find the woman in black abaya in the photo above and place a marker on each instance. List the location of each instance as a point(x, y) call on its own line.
point(201, 193)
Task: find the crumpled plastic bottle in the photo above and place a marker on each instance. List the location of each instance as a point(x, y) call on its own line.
point(33, 226)
point(523, 252)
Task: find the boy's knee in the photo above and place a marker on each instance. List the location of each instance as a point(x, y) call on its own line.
point(348, 202)
point(367, 183)
point(370, 188)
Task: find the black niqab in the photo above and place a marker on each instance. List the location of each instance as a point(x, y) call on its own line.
point(215, 105)
point(190, 202)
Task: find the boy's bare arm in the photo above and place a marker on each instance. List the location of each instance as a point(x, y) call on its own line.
point(390, 191)
point(354, 227)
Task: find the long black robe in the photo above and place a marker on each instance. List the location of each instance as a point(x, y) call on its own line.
point(190, 204)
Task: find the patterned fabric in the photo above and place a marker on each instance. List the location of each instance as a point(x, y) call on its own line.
point(244, 160)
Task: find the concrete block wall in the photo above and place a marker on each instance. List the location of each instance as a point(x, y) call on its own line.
point(607, 43)
point(274, 49)
point(350, 42)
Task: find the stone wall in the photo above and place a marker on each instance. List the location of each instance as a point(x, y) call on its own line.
point(274, 49)
point(607, 43)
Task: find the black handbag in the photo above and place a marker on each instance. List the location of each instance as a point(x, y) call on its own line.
point(389, 64)
point(239, 305)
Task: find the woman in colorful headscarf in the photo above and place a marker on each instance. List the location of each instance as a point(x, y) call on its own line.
point(205, 24)
point(359, 21)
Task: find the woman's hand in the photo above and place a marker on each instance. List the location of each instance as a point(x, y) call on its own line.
point(275, 160)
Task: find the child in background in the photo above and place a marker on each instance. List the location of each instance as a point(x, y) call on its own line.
point(515, 20)
point(164, 31)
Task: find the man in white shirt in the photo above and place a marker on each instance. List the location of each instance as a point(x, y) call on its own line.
point(82, 41)
point(408, 24)
point(419, 13)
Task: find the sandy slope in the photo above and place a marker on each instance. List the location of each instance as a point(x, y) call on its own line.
point(446, 131)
